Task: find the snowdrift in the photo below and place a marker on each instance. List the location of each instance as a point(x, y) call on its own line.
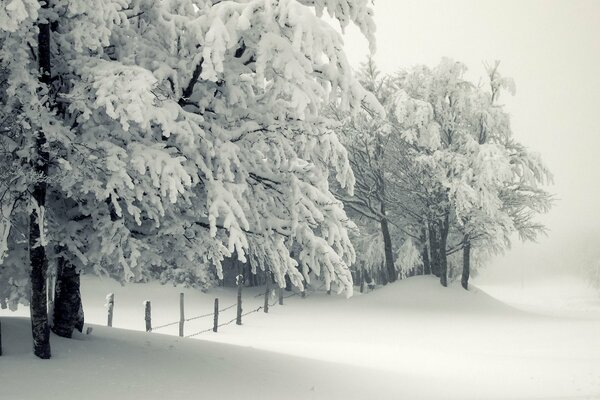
point(117, 364)
point(409, 340)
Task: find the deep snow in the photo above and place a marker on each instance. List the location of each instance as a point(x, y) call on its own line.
point(411, 340)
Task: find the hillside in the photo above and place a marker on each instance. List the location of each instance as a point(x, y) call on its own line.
point(411, 340)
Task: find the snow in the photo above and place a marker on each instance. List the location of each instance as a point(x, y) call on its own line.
point(560, 295)
point(413, 339)
point(118, 364)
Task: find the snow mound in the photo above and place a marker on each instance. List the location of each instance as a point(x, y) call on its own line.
point(424, 293)
point(412, 339)
point(117, 364)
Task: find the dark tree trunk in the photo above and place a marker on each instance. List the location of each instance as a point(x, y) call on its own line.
point(370, 279)
point(466, 272)
point(288, 281)
point(434, 249)
point(37, 252)
point(362, 280)
point(444, 228)
point(383, 274)
point(68, 310)
point(39, 266)
point(355, 277)
point(425, 253)
point(388, 252)
point(425, 256)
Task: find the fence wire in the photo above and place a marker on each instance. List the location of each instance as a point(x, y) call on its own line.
point(199, 316)
point(165, 325)
point(211, 314)
point(275, 302)
point(193, 318)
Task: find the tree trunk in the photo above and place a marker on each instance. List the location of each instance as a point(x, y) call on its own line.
point(38, 305)
point(466, 272)
point(362, 280)
point(37, 252)
point(434, 249)
point(425, 253)
point(388, 252)
point(383, 274)
point(426, 269)
point(240, 284)
point(444, 228)
point(68, 310)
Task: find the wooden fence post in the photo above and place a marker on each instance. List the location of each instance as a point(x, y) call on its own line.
point(238, 319)
point(216, 318)
point(181, 315)
point(148, 315)
point(110, 302)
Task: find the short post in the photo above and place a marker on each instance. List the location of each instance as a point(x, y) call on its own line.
point(110, 303)
point(238, 319)
point(181, 315)
point(216, 318)
point(280, 296)
point(148, 315)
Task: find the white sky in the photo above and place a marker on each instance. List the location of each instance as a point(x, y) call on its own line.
point(551, 49)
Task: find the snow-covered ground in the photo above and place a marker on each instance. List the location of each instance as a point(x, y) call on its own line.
point(410, 340)
point(559, 295)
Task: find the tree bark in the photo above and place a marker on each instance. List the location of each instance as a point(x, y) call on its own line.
point(37, 252)
point(240, 282)
point(466, 272)
point(68, 310)
point(388, 252)
point(425, 253)
point(362, 279)
point(444, 228)
point(426, 262)
point(39, 266)
point(383, 274)
point(434, 249)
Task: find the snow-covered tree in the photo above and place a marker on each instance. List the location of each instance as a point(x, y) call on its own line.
point(169, 135)
point(444, 166)
point(365, 137)
point(463, 144)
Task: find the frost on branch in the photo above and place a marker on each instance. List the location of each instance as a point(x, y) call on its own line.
point(14, 12)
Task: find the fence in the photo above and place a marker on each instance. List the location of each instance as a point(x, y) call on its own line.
point(110, 304)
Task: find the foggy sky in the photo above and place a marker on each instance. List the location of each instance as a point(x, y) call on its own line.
point(552, 50)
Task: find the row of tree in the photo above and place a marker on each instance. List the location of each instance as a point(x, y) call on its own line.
point(439, 175)
point(146, 137)
point(156, 139)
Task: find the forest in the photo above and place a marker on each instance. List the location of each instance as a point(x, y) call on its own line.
point(182, 140)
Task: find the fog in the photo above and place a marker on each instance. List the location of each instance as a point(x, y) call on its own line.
point(552, 51)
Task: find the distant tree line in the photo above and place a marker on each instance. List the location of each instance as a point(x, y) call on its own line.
point(441, 181)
